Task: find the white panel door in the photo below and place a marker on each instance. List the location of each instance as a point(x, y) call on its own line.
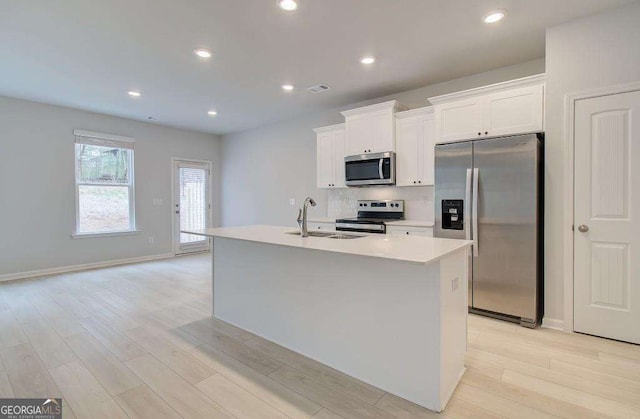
point(514, 111)
point(383, 135)
point(325, 157)
point(359, 132)
point(461, 120)
point(426, 150)
point(407, 151)
point(191, 205)
point(339, 152)
point(607, 217)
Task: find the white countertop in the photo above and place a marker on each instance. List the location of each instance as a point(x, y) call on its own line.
point(414, 249)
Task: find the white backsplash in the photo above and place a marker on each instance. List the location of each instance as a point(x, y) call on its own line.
point(418, 201)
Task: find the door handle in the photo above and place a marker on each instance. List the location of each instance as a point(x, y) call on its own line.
point(467, 204)
point(583, 228)
point(380, 168)
point(476, 241)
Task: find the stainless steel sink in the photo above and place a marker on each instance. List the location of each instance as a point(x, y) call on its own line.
point(344, 236)
point(329, 235)
point(313, 233)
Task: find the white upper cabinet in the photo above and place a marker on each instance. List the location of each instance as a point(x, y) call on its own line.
point(512, 107)
point(415, 135)
point(370, 129)
point(338, 157)
point(459, 120)
point(514, 111)
point(330, 156)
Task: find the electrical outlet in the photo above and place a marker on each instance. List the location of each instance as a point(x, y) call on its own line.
point(152, 239)
point(454, 284)
point(292, 201)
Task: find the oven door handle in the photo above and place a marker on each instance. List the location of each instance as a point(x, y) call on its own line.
point(380, 162)
point(360, 227)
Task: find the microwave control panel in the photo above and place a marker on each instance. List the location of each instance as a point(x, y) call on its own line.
point(453, 214)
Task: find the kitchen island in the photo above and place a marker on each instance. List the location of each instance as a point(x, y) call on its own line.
point(388, 310)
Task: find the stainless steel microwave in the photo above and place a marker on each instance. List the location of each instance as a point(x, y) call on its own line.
point(370, 169)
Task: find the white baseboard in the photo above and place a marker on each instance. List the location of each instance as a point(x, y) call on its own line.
point(548, 323)
point(83, 267)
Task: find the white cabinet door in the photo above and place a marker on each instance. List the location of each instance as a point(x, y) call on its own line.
point(382, 139)
point(607, 217)
point(325, 160)
point(407, 151)
point(359, 132)
point(513, 111)
point(459, 120)
point(426, 150)
point(338, 158)
point(415, 133)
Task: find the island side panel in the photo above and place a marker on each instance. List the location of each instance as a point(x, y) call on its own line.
point(453, 322)
point(374, 319)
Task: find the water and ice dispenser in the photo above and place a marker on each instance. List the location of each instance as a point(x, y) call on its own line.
point(453, 214)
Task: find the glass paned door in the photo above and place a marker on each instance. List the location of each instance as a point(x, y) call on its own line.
point(192, 206)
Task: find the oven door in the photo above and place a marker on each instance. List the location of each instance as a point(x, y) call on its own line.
point(370, 169)
point(361, 228)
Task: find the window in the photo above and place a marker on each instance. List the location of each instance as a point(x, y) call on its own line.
point(104, 183)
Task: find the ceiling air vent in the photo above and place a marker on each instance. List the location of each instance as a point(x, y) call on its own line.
point(318, 88)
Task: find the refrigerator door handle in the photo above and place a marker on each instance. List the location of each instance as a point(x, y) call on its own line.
point(476, 179)
point(467, 200)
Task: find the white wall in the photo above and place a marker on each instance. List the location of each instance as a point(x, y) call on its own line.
point(597, 51)
point(38, 189)
point(264, 167)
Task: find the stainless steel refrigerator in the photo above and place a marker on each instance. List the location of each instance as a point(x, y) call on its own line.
point(491, 191)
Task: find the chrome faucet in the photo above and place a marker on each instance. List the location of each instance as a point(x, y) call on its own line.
point(302, 216)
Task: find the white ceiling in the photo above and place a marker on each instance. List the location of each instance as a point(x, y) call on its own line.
point(88, 54)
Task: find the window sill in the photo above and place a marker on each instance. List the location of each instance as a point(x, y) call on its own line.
point(105, 234)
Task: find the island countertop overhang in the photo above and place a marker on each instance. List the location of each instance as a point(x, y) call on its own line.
point(413, 249)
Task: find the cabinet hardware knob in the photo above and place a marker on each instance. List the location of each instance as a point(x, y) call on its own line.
point(486, 132)
point(414, 181)
point(479, 133)
point(407, 233)
point(419, 181)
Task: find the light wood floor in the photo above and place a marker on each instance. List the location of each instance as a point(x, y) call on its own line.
point(138, 341)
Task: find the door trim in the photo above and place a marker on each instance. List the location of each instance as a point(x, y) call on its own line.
point(569, 135)
point(175, 246)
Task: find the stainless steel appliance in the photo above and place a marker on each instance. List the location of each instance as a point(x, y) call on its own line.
point(370, 169)
point(491, 191)
point(372, 216)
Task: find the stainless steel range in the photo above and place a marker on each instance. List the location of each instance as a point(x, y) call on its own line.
point(372, 217)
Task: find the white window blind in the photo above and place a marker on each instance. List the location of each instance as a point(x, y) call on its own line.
point(104, 183)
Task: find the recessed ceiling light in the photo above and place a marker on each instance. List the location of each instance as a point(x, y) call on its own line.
point(203, 52)
point(212, 113)
point(495, 16)
point(134, 93)
point(368, 60)
point(288, 5)
point(287, 87)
